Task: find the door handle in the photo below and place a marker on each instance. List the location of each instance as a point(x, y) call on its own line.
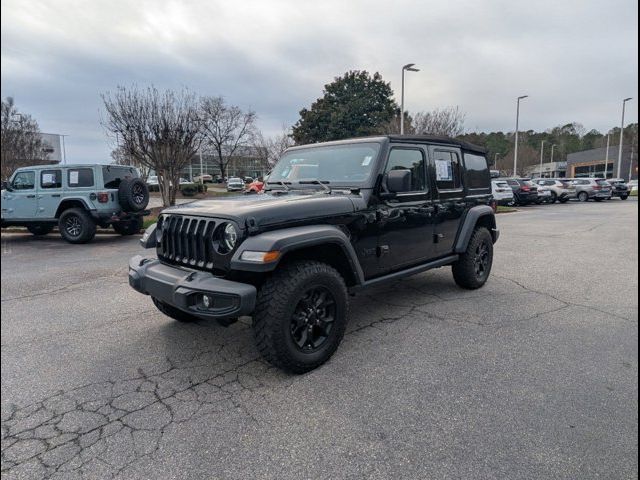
point(31, 196)
point(56, 195)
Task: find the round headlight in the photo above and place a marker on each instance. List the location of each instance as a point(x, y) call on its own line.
point(230, 236)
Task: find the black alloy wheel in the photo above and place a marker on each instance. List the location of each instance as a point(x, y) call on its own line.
point(482, 260)
point(313, 319)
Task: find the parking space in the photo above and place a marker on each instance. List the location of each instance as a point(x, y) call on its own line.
point(533, 376)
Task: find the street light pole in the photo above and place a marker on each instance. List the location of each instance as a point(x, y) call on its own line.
point(621, 136)
point(408, 67)
point(541, 156)
point(606, 157)
point(515, 153)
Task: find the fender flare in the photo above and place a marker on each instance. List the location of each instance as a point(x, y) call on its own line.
point(295, 238)
point(469, 224)
point(59, 210)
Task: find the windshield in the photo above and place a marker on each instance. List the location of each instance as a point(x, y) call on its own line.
point(336, 164)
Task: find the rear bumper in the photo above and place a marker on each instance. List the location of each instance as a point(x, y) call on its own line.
point(185, 289)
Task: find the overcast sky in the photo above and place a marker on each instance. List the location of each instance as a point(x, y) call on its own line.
point(576, 59)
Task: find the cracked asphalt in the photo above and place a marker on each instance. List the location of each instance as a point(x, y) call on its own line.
point(534, 376)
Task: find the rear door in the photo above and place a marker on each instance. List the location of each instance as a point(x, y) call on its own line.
point(449, 196)
point(49, 192)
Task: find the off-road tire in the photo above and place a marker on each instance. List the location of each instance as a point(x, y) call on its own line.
point(465, 272)
point(133, 195)
point(278, 299)
point(76, 226)
point(173, 312)
point(624, 197)
point(129, 227)
point(39, 229)
point(583, 196)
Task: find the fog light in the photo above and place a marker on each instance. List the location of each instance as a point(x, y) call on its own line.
point(206, 301)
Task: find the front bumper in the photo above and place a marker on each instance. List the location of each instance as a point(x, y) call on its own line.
point(185, 289)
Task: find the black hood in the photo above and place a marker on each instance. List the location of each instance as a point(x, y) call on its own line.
point(270, 209)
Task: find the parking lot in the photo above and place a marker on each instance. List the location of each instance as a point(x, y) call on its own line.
point(533, 376)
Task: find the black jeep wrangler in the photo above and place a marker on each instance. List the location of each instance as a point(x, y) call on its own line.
point(334, 218)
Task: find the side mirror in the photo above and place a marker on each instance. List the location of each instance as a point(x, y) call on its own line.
point(6, 186)
point(398, 181)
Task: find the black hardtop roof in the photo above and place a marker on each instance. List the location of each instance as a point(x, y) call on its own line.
point(438, 139)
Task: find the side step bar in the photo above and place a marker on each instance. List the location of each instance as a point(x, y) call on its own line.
point(406, 273)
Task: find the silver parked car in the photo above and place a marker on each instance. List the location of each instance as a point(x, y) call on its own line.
point(562, 189)
point(597, 189)
point(502, 192)
point(235, 184)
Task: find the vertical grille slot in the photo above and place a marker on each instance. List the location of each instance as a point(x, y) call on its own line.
point(188, 241)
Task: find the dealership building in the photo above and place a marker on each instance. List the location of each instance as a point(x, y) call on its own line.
point(591, 163)
point(245, 162)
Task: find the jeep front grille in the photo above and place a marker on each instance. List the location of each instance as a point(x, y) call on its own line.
point(188, 241)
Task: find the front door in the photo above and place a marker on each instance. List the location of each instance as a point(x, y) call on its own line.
point(21, 202)
point(406, 221)
point(449, 196)
point(49, 192)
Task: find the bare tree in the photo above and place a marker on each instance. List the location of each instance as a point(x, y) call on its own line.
point(20, 140)
point(270, 149)
point(160, 130)
point(225, 128)
point(447, 121)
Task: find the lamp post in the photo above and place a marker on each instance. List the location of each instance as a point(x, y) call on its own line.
point(541, 156)
point(621, 136)
point(515, 153)
point(410, 68)
point(606, 157)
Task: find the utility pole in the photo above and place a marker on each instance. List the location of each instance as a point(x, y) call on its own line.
point(606, 157)
point(621, 136)
point(515, 153)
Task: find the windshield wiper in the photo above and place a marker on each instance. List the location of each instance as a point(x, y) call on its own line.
point(317, 182)
point(280, 182)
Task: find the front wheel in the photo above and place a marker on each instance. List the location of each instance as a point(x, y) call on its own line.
point(472, 269)
point(300, 316)
point(624, 197)
point(76, 226)
point(39, 229)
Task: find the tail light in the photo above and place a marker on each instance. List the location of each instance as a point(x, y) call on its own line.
point(103, 197)
point(526, 189)
point(597, 187)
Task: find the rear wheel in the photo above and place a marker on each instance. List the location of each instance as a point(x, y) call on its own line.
point(173, 312)
point(130, 227)
point(624, 197)
point(554, 197)
point(472, 269)
point(300, 316)
point(39, 229)
point(583, 196)
point(76, 226)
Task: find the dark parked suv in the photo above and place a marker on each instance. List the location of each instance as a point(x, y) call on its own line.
point(525, 192)
point(334, 218)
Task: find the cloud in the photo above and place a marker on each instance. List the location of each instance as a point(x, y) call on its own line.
point(576, 60)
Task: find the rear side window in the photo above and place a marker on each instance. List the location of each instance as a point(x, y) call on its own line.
point(513, 183)
point(80, 177)
point(112, 176)
point(51, 179)
point(603, 182)
point(409, 159)
point(24, 181)
point(447, 165)
point(477, 171)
